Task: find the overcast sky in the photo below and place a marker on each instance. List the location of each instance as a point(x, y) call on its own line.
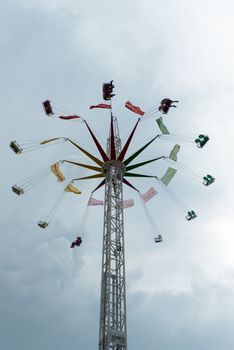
point(180, 293)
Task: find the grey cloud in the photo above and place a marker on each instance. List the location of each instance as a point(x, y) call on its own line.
point(64, 51)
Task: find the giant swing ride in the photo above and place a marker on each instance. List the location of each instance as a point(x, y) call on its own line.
point(114, 168)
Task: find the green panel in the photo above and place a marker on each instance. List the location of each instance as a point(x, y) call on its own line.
point(173, 154)
point(170, 173)
point(161, 126)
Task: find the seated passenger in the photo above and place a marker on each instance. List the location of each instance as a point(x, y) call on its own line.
point(15, 147)
point(108, 90)
point(158, 239)
point(208, 180)
point(47, 107)
point(18, 190)
point(166, 104)
point(201, 140)
point(191, 215)
point(42, 224)
point(77, 242)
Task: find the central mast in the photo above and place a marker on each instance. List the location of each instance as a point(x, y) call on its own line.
point(113, 328)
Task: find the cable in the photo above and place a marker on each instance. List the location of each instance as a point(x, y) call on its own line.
point(61, 108)
point(154, 227)
point(173, 197)
point(29, 146)
point(181, 166)
point(30, 182)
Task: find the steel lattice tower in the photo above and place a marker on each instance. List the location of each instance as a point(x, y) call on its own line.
point(113, 328)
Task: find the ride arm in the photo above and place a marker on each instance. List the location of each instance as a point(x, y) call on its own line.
point(99, 147)
point(143, 163)
point(96, 160)
point(134, 155)
point(99, 186)
point(91, 167)
point(129, 184)
point(96, 176)
point(138, 175)
point(125, 148)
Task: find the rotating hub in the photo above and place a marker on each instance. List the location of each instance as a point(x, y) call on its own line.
point(115, 167)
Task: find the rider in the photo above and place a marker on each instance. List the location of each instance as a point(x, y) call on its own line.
point(77, 242)
point(166, 104)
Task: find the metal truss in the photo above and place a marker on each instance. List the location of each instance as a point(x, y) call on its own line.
point(113, 324)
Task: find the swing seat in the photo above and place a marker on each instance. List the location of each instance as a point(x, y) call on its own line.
point(166, 104)
point(77, 242)
point(47, 107)
point(42, 224)
point(18, 190)
point(191, 215)
point(164, 108)
point(208, 180)
point(158, 239)
point(107, 89)
point(15, 147)
point(201, 140)
point(202, 143)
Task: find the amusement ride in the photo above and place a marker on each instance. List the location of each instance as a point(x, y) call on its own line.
point(114, 167)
